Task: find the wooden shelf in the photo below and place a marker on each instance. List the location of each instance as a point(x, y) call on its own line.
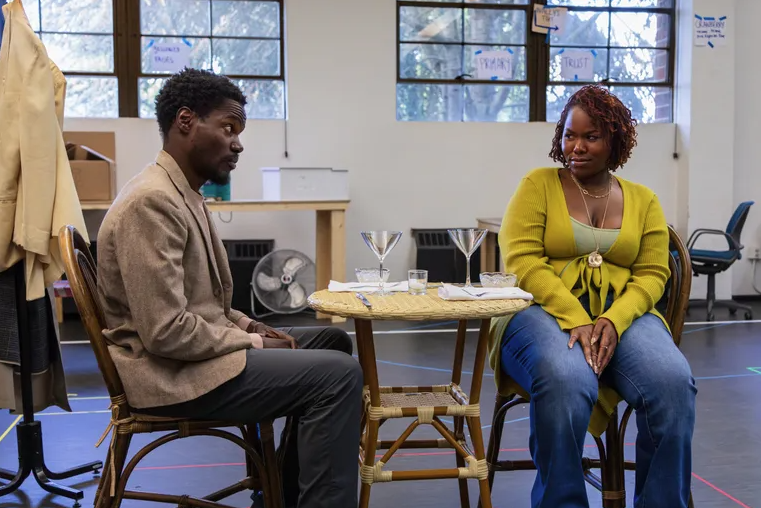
point(247, 205)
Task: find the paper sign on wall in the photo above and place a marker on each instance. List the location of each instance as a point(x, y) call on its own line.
point(710, 30)
point(577, 64)
point(169, 56)
point(494, 64)
point(549, 19)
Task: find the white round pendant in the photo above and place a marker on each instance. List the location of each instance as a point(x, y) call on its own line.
point(595, 260)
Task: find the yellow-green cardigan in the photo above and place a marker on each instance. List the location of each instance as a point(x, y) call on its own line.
point(537, 244)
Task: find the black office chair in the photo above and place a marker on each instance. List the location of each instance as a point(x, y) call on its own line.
point(711, 262)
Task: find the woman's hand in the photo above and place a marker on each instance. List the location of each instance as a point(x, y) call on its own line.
point(583, 335)
point(605, 338)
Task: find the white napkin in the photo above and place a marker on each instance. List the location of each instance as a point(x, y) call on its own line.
point(343, 287)
point(451, 292)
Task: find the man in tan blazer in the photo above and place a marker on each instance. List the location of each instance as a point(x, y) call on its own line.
point(166, 289)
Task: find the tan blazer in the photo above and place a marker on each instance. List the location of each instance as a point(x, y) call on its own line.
point(165, 285)
point(37, 193)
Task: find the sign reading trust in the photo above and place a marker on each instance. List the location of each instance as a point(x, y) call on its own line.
point(710, 31)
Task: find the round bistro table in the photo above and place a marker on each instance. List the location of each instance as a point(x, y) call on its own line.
point(424, 403)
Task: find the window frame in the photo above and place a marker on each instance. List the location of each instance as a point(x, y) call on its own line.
point(538, 51)
point(128, 55)
point(87, 74)
point(460, 80)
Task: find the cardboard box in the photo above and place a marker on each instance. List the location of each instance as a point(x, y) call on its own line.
point(92, 159)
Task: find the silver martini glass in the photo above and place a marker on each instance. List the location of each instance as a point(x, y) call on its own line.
point(381, 243)
point(467, 240)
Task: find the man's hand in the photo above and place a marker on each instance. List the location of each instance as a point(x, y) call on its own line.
point(583, 335)
point(273, 343)
point(273, 338)
point(606, 338)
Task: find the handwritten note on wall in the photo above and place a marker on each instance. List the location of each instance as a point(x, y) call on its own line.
point(169, 56)
point(494, 65)
point(577, 64)
point(549, 19)
point(710, 30)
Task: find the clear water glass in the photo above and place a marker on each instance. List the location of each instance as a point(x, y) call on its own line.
point(417, 281)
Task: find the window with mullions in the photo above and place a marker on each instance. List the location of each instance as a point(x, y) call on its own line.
point(631, 46)
point(79, 37)
point(436, 66)
point(630, 42)
point(241, 39)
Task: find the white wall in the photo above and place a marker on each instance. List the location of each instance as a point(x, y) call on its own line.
point(718, 116)
point(706, 119)
point(747, 105)
point(341, 90)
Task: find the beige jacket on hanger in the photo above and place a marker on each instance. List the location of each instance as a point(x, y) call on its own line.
point(37, 193)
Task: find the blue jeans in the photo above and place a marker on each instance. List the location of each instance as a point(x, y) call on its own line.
point(647, 370)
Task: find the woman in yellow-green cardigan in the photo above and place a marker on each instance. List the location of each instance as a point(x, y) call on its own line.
point(593, 250)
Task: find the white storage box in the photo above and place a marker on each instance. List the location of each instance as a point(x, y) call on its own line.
point(305, 184)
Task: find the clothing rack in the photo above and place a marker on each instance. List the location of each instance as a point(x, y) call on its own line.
point(29, 430)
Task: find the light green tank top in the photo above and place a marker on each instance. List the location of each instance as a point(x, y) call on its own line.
point(584, 236)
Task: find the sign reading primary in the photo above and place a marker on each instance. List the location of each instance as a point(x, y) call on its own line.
point(494, 64)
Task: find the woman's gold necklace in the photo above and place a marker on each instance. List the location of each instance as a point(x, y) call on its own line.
point(594, 259)
point(587, 193)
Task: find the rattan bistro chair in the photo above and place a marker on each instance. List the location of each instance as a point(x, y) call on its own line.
point(262, 463)
point(611, 463)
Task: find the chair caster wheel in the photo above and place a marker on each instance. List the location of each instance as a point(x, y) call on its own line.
point(748, 316)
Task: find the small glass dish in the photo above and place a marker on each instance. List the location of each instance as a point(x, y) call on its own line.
point(370, 275)
point(498, 279)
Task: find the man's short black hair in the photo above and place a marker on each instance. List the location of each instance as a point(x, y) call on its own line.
point(201, 91)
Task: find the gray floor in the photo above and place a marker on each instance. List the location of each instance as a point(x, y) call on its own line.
point(727, 443)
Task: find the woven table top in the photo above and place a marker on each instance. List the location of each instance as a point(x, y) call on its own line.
point(407, 307)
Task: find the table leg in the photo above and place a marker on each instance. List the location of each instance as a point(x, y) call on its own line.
point(471, 464)
point(330, 252)
point(459, 432)
point(474, 422)
point(366, 354)
point(488, 254)
point(459, 422)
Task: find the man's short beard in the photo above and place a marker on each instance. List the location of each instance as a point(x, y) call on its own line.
point(220, 178)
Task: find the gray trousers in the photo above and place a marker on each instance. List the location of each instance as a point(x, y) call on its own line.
point(320, 385)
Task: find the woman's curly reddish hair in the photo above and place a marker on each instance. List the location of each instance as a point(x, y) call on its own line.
point(610, 115)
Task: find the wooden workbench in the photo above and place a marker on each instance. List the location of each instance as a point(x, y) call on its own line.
point(330, 245)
